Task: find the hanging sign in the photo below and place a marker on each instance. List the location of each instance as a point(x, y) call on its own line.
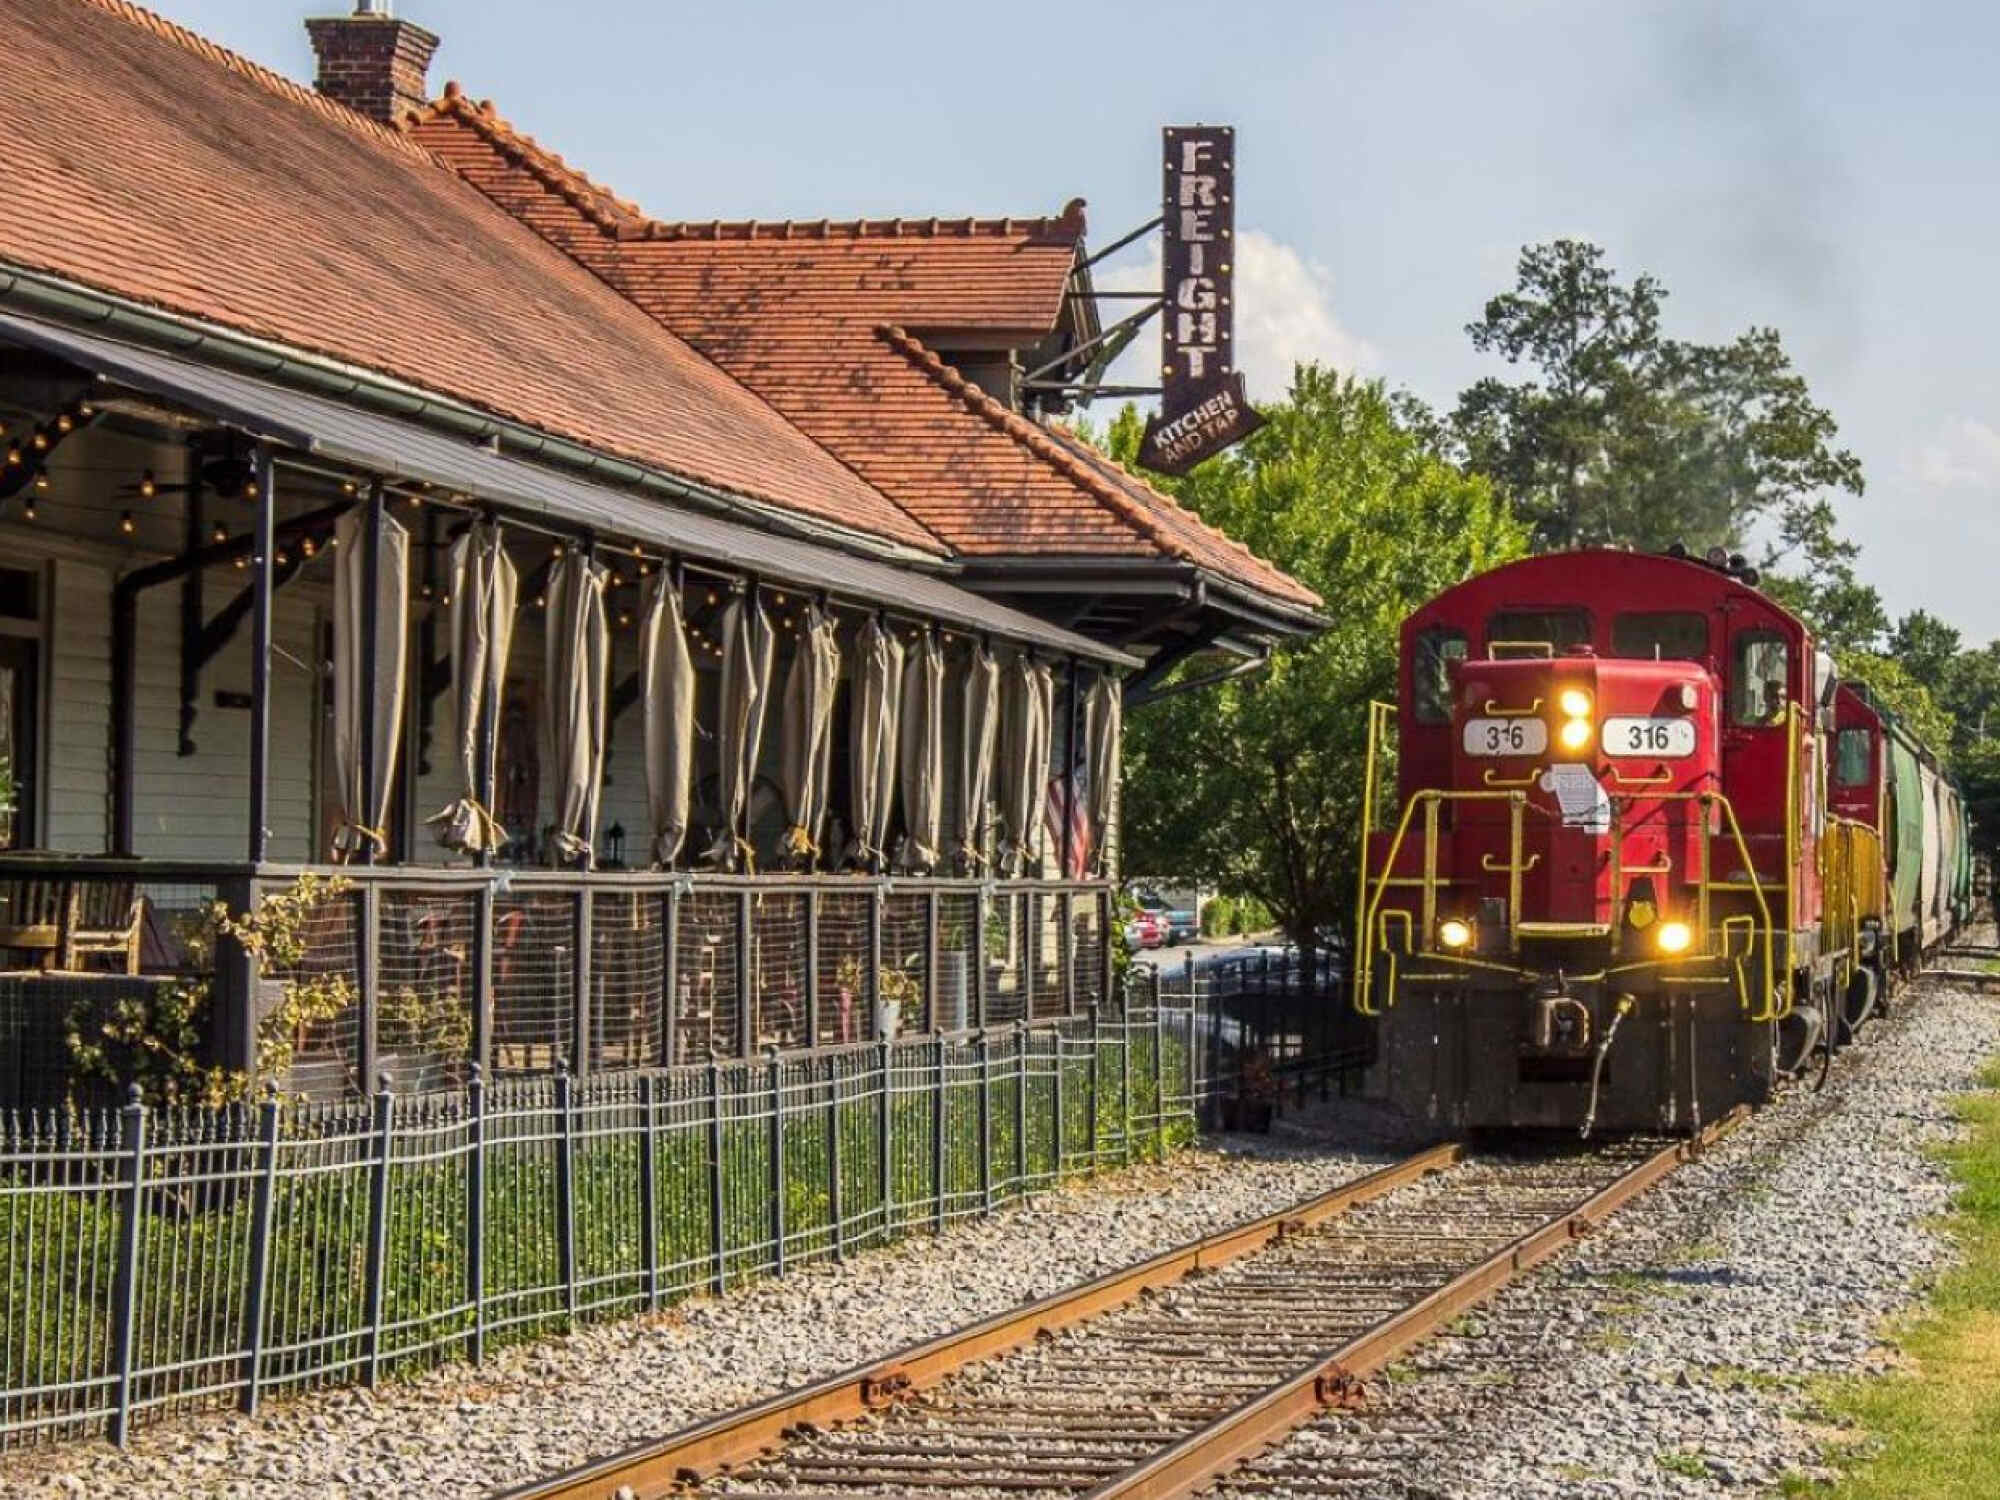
point(1202, 405)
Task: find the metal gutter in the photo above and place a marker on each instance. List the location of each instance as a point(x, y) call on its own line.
point(50, 297)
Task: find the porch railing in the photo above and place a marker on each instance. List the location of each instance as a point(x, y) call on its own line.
point(521, 971)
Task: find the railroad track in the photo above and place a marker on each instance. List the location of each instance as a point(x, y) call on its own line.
point(1157, 1380)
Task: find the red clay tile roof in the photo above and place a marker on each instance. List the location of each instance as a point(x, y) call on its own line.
point(813, 315)
point(151, 164)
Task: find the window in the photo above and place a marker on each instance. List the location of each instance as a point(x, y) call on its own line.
point(1430, 674)
point(1851, 757)
point(1660, 637)
point(1560, 629)
point(1759, 686)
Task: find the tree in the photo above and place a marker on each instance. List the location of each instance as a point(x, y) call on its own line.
point(1621, 435)
point(1343, 490)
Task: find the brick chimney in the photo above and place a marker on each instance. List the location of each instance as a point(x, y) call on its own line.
point(371, 62)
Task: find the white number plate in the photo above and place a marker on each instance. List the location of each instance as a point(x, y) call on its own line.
point(1663, 739)
point(1506, 736)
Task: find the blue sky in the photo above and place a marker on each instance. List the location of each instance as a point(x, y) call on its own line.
point(1827, 168)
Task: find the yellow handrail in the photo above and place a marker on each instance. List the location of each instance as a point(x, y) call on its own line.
point(1498, 711)
point(1511, 781)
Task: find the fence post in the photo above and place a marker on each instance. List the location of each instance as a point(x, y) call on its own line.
point(368, 981)
point(1066, 951)
point(566, 1187)
point(125, 1332)
point(939, 1117)
point(475, 1212)
point(718, 1239)
point(777, 1089)
point(985, 1044)
point(649, 1187)
point(670, 978)
point(982, 913)
point(812, 968)
point(584, 927)
point(482, 978)
point(1093, 1104)
point(1029, 929)
point(1020, 1109)
point(746, 992)
point(888, 1126)
point(873, 987)
point(258, 1288)
point(931, 946)
point(378, 1226)
point(833, 1204)
point(1125, 1078)
point(1160, 1080)
point(1057, 1110)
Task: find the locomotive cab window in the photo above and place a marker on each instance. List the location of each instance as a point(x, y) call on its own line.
point(1759, 685)
point(1561, 630)
point(1851, 757)
point(1671, 636)
point(1430, 674)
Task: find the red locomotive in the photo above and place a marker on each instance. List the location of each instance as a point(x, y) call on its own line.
point(1646, 853)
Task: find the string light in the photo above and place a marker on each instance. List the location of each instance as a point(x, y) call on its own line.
point(64, 422)
point(42, 483)
point(126, 524)
point(541, 601)
point(306, 546)
point(242, 561)
point(350, 487)
point(148, 486)
point(221, 532)
point(40, 441)
point(28, 509)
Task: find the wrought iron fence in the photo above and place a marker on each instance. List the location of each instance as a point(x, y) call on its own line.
point(155, 1261)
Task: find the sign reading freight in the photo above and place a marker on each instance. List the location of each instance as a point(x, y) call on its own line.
point(1202, 406)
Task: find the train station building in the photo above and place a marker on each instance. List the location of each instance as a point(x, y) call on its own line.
point(684, 638)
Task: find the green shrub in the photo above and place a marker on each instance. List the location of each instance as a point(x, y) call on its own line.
point(1217, 917)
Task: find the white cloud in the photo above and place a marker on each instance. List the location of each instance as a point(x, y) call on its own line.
point(1284, 316)
point(1964, 455)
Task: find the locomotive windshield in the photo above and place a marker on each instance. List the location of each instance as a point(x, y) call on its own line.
point(1669, 636)
point(1561, 630)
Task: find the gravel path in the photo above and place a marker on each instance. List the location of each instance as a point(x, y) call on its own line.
point(1670, 1355)
point(539, 1409)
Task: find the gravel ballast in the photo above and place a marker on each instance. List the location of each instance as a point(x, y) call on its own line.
point(539, 1409)
point(1673, 1353)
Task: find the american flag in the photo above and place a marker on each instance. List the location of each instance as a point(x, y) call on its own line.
point(1079, 821)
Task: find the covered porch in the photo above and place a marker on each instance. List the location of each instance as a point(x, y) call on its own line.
point(614, 774)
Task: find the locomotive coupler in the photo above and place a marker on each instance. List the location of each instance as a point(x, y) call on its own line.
point(1560, 1022)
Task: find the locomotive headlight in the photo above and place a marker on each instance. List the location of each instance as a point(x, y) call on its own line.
point(1454, 932)
point(1575, 702)
point(1674, 937)
point(1575, 734)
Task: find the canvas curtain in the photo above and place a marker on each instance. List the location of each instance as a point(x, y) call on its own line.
point(576, 652)
point(922, 754)
point(1024, 760)
point(807, 734)
point(484, 590)
point(747, 646)
point(668, 686)
point(358, 691)
point(878, 692)
point(1104, 727)
point(975, 770)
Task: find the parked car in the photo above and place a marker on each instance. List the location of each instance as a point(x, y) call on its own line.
point(1144, 929)
point(1178, 924)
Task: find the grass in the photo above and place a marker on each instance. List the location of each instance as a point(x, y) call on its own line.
point(1688, 1465)
point(1935, 1434)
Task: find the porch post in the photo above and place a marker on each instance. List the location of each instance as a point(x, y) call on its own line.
point(260, 658)
point(371, 659)
point(124, 720)
point(487, 774)
point(1069, 769)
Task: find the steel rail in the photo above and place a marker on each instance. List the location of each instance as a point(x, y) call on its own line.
point(1251, 1428)
point(686, 1456)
